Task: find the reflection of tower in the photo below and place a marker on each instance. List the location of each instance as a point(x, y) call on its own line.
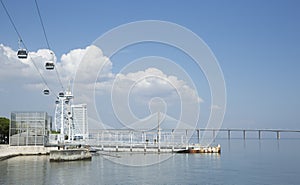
point(80, 120)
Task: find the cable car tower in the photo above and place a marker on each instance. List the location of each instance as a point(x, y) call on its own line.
point(63, 116)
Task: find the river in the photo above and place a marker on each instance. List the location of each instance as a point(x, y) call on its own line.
point(252, 161)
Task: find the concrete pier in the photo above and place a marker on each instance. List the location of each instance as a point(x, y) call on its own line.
point(7, 151)
point(70, 155)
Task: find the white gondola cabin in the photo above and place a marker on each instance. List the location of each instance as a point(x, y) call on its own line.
point(22, 53)
point(49, 65)
point(61, 94)
point(46, 92)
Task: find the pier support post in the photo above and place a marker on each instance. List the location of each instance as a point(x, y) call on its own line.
point(259, 134)
point(278, 134)
point(228, 134)
point(214, 133)
point(244, 134)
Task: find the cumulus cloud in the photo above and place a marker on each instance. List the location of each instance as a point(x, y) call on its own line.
point(153, 82)
point(10, 64)
point(93, 75)
point(133, 94)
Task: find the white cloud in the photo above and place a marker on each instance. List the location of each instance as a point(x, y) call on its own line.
point(153, 82)
point(141, 86)
point(70, 61)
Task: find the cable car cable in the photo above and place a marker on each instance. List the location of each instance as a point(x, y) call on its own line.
point(12, 22)
point(38, 10)
point(47, 41)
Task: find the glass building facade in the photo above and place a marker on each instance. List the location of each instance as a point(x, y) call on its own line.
point(29, 128)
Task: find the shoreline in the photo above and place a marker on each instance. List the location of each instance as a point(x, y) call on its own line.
point(7, 151)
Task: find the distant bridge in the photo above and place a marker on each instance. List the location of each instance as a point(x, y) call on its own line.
point(258, 131)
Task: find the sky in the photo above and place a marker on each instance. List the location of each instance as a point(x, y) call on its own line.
point(256, 44)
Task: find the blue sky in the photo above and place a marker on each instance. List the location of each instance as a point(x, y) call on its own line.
point(257, 44)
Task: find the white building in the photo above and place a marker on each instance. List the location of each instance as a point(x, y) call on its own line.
point(80, 121)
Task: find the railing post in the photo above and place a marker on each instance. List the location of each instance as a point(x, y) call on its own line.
point(186, 134)
point(198, 135)
point(172, 136)
point(131, 141)
point(278, 134)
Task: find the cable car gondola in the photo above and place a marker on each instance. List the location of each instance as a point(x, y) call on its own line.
point(22, 53)
point(61, 94)
point(49, 65)
point(46, 92)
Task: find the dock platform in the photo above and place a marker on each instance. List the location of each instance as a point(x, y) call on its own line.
point(70, 155)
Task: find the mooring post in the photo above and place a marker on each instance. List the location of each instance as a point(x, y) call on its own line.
point(228, 134)
point(278, 134)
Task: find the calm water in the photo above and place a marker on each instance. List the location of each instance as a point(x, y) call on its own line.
point(241, 162)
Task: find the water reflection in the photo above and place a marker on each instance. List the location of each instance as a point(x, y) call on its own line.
point(262, 161)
